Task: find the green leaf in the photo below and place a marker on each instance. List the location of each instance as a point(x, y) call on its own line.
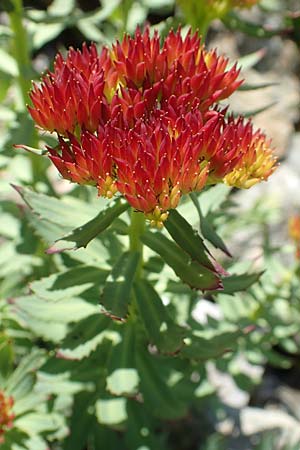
point(190, 272)
point(58, 216)
point(210, 345)
point(8, 64)
point(137, 15)
point(86, 336)
point(83, 280)
point(111, 411)
point(49, 331)
point(212, 198)
point(123, 381)
point(276, 359)
point(20, 382)
point(44, 33)
point(90, 30)
point(6, 355)
point(188, 239)
point(5, 81)
point(103, 437)
point(255, 111)
point(117, 289)
point(123, 377)
point(212, 236)
point(159, 5)
point(104, 12)
point(96, 254)
point(65, 212)
point(235, 22)
point(61, 7)
point(252, 87)
point(16, 439)
point(80, 421)
point(82, 235)
point(29, 402)
point(250, 60)
point(154, 264)
point(64, 310)
point(161, 330)
point(207, 230)
point(38, 422)
point(140, 429)
point(159, 399)
point(236, 283)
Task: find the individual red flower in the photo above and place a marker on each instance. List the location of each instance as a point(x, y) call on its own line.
point(73, 95)
point(6, 415)
point(257, 161)
point(87, 161)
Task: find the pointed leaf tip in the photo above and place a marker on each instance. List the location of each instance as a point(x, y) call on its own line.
point(192, 273)
point(82, 235)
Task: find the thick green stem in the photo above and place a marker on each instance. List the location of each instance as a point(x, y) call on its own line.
point(137, 228)
point(23, 58)
point(21, 49)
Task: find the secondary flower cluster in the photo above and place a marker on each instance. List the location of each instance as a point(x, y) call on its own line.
point(142, 119)
point(294, 232)
point(6, 415)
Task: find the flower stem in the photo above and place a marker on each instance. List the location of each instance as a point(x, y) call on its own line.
point(21, 49)
point(23, 59)
point(137, 228)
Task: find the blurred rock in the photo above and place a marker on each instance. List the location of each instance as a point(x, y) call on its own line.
point(205, 309)
point(256, 420)
point(293, 160)
point(290, 398)
point(279, 66)
point(278, 120)
point(229, 393)
point(280, 199)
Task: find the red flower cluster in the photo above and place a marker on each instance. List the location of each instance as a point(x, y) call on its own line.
point(141, 120)
point(6, 416)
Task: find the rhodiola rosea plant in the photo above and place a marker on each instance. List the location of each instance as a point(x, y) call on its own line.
point(142, 126)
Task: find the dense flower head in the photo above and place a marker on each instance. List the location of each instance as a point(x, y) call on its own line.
point(6, 414)
point(142, 120)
